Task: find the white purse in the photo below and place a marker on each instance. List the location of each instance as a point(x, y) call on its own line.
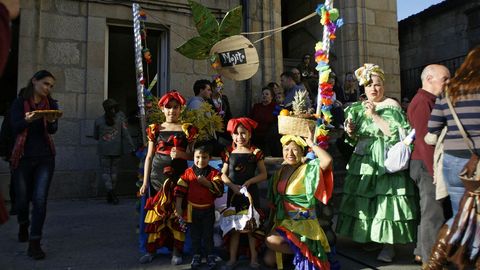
point(398, 156)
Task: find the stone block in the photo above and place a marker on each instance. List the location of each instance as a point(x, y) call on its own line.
point(27, 4)
point(378, 34)
point(47, 5)
point(96, 54)
point(28, 22)
point(62, 53)
point(63, 27)
point(68, 7)
point(394, 37)
point(89, 157)
point(94, 105)
point(66, 158)
point(68, 133)
point(108, 11)
point(377, 5)
point(349, 15)
point(67, 102)
point(370, 18)
point(96, 81)
point(87, 132)
point(386, 19)
point(74, 80)
point(349, 32)
point(26, 45)
point(96, 29)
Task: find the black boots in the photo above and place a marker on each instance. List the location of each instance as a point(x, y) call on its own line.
point(23, 232)
point(112, 198)
point(35, 250)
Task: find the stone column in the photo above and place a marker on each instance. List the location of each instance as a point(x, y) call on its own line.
point(369, 35)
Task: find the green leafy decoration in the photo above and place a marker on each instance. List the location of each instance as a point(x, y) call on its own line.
point(206, 23)
point(231, 24)
point(197, 48)
point(210, 31)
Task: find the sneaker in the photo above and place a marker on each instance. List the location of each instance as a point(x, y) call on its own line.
point(176, 260)
point(147, 258)
point(211, 262)
point(196, 262)
point(387, 254)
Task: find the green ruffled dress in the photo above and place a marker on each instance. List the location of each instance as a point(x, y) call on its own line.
point(377, 206)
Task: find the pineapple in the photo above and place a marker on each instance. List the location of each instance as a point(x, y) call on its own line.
point(301, 104)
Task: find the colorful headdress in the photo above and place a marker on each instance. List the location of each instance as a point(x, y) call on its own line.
point(246, 122)
point(364, 74)
point(169, 96)
point(292, 138)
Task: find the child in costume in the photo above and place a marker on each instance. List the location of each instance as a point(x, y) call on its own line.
point(166, 160)
point(239, 170)
point(197, 189)
point(111, 132)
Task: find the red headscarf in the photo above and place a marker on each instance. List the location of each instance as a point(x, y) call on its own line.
point(246, 122)
point(169, 96)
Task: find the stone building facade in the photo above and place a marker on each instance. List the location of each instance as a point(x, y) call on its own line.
point(88, 45)
point(369, 35)
point(443, 33)
point(73, 39)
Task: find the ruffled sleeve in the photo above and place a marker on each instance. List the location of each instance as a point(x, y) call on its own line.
point(226, 155)
point(356, 114)
point(152, 132)
point(258, 154)
point(318, 182)
point(397, 121)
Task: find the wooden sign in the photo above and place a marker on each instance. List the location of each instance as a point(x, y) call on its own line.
point(237, 58)
point(232, 58)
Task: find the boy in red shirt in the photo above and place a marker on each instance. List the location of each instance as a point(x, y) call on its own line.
point(196, 192)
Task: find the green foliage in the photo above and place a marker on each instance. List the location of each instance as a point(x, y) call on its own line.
point(205, 119)
point(209, 30)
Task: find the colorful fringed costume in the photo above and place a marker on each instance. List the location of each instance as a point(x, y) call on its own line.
point(376, 206)
point(294, 200)
point(161, 225)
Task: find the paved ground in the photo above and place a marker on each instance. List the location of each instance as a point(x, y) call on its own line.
point(89, 234)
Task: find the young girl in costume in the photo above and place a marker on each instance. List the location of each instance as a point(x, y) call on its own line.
point(240, 165)
point(166, 160)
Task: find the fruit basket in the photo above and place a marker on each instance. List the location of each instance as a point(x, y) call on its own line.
point(300, 121)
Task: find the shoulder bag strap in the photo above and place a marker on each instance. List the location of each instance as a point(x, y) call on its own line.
point(467, 141)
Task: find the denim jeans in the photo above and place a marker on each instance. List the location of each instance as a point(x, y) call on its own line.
point(32, 181)
point(452, 166)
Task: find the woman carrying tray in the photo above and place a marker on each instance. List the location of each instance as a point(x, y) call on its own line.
point(33, 156)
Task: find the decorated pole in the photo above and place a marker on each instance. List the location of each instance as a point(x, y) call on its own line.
point(330, 21)
point(139, 68)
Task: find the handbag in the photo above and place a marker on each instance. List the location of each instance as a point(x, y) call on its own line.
point(398, 156)
point(471, 170)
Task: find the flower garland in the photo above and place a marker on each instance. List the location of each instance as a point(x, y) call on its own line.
point(331, 22)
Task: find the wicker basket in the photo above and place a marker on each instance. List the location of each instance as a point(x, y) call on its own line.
point(289, 125)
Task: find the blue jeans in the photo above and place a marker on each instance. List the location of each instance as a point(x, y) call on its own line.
point(32, 180)
point(452, 166)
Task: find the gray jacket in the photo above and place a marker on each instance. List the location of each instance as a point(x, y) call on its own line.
point(113, 140)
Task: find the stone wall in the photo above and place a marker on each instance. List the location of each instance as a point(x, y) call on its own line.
point(69, 38)
point(369, 35)
point(443, 33)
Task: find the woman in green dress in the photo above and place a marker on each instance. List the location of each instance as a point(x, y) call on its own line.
point(377, 206)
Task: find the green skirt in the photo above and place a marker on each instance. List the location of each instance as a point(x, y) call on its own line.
point(377, 208)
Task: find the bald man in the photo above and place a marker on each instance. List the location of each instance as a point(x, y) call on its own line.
point(434, 80)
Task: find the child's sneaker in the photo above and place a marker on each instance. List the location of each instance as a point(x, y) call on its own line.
point(176, 260)
point(211, 262)
point(196, 262)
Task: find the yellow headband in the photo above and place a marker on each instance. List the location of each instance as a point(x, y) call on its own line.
point(364, 74)
point(297, 139)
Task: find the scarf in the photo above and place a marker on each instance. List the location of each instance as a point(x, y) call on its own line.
point(18, 148)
